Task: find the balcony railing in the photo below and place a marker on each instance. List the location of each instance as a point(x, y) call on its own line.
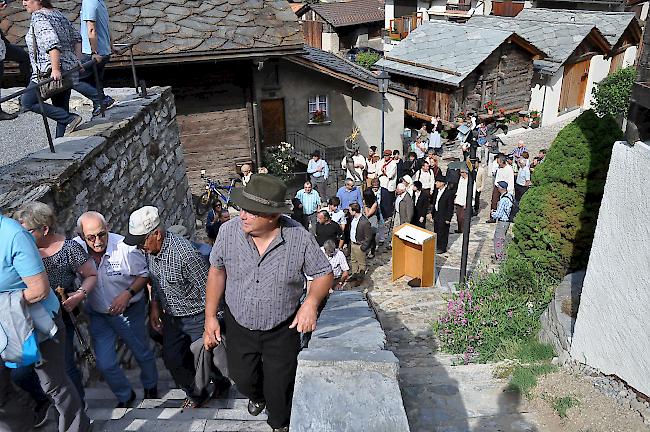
point(401, 27)
point(460, 6)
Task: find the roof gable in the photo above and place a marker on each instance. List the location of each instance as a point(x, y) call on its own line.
point(353, 12)
point(187, 28)
point(444, 52)
point(611, 24)
point(558, 40)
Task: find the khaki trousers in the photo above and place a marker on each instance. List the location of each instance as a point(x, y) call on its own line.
point(357, 259)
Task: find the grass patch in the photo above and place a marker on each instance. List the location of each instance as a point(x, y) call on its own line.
point(526, 351)
point(524, 377)
point(562, 404)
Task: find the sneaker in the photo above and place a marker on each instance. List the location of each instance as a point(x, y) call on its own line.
point(7, 116)
point(107, 102)
point(74, 124)
point(40, 413)
point(127, 404)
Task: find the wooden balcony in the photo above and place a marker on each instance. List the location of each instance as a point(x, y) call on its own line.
point(507, 8)
point(459, 6)
point(401, 27)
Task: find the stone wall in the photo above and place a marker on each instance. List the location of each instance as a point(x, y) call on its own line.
point(346, 381)
point(611, 330)
point(116, 164)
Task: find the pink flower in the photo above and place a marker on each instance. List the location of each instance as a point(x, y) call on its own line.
point(510, 313)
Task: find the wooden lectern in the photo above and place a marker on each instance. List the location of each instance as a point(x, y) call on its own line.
point(414, 253)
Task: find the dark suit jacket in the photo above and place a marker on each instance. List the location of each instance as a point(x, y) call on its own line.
point(364, 233)
point(445, 205)
point(421, 206)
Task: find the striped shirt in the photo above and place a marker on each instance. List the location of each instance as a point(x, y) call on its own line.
point(338, 262)
point(263, 291)
point(310, 201)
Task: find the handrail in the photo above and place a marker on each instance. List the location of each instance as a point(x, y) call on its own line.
point(306, 145)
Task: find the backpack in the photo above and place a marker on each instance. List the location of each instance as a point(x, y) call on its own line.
point(513, 210)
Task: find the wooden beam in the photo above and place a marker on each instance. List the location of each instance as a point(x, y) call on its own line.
point(423, 66)
point(426, 117)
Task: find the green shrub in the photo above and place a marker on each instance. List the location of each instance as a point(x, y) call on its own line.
point(562, 404)
point(367, 59)
point(524, 378)
point(280, 160)
point(555, 225)
point(612, 94)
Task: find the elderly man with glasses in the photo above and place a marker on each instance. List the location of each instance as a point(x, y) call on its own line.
point(116, 307)
point(259, 262)
point(178, 274)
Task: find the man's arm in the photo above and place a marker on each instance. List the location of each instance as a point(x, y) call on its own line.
point(214, 289)
point(38, 287)
point(93, 39)
point(305, 320)
point(121, 302)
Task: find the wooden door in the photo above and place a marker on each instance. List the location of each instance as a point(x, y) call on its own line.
point(313, 31)
point(617, 62)
point(273, 124)
point(574, 85)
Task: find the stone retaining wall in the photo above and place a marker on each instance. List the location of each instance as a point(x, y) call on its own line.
point(346, 381)
point(114, 165)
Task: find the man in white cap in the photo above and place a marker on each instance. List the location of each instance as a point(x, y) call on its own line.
point(178, 274)
point(116, 307)
point(260, 261)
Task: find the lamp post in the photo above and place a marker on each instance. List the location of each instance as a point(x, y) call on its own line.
point(382, 86)
point(471, 179)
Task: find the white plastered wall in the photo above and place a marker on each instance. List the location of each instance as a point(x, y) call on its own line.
point(545, 97)
point(630, 53)
point(368, 118)
point(598, 69)
point(611, 331)
point(330, 42)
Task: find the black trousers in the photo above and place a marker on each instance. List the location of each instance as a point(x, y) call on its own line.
point(520, 191)
point(442, 234)
point(477, 204)
point(178, 335)
point(20, 56)
point(263, 365)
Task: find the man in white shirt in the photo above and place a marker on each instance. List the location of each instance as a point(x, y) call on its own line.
point(339, 264)
point(523, 178)
point(387, 174)
point(358, 164)
point(246, 174)
point(337, 215)
point(116, 307)
point(318, 171)
point(371, 165)
point(506, 174)
point(460, 200)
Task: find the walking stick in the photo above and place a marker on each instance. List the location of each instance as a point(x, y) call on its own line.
point(87, 353)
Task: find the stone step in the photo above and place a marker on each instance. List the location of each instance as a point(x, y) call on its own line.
point(175, 414)
point(173, 425)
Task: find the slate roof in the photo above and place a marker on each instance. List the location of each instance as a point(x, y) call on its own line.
point(558, 40)
point(352, 12)
point(186, 28)
point(611, 24)
point(441, 46)
point(345, 67)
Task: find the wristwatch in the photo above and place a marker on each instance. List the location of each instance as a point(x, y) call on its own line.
point(133, 293)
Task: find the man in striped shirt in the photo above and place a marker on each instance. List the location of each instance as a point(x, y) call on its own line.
point(502, 216)
point(311, 203)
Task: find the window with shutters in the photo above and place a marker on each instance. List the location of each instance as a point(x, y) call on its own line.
point(318, 109)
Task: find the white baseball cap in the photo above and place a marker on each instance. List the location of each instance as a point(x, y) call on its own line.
point(141, 223)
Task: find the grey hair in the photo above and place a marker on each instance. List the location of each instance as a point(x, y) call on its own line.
point(98, 215)
point(401, 186)
point(36, 214)
point(349, 180)
point(329, 246)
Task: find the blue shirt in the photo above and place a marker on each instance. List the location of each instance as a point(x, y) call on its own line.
point(310, 201)
point(502, 213)
point(347, 197)
point(313, 165)
point(95, 10)
point(19, 258)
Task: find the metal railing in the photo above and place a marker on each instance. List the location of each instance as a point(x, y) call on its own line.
point(304, 146)
point(100, 90)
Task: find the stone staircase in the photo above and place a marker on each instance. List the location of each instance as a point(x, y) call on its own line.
point(165, 414)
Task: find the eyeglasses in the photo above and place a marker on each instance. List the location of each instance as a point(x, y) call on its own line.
point(92, 237)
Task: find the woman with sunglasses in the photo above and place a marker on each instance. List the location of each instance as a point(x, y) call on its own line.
point(64, 260)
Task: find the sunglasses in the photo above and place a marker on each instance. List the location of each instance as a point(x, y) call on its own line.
point(92, 237)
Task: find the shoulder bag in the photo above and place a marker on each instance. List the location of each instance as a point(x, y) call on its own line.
point(53, 87)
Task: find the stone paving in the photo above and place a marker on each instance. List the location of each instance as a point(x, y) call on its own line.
point(439, 394)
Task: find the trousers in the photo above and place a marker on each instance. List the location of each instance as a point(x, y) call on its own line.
point(59, 110)
point(357, 259)
point(500, 239)
point(263, 365)
point(441, 228)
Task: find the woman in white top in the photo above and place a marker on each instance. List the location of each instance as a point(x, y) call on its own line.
point(425, 176)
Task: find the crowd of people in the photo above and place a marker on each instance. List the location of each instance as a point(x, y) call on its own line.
point(56, 49)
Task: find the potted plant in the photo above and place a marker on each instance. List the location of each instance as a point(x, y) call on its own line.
point(490, 106)
point(534, 119)
point(318, 116)
point(460, 117)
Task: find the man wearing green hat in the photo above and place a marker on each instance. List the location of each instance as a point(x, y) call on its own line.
point(259, 261)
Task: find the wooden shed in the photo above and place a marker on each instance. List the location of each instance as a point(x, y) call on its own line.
point(456, 68)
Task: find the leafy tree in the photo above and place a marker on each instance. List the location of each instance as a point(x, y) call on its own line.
point(612, 94)
point(367, 59)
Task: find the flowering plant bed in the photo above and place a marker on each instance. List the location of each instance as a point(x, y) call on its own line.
point(318, 116)
point(490, 106)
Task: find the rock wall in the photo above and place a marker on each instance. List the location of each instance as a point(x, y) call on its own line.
point(611, 331)
point(346, 381)
point(116, 164)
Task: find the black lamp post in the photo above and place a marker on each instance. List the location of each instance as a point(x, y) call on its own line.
point(382, 86)
point(471, 178)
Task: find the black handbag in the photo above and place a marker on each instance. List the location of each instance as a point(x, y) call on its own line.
point(53, 87)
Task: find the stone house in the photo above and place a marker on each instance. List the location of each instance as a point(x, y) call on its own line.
point(456, 68)
point(293, 89)
point(340, 26)
point(208, 51)
point(578, 55)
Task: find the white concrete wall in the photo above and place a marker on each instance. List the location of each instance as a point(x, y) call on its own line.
point(389, 12)
point(630, 54)
point(644, 11)
point(330, 42)
point(598, 69)
point(547, 94)
point(611, 331)
point(368, 118)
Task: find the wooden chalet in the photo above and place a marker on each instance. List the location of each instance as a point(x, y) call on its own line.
point(454, 68)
